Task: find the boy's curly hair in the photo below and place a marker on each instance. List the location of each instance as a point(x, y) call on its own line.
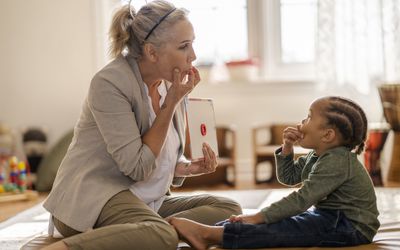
point(350, 119)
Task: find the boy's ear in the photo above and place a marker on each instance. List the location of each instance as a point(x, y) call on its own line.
point(329, 136)
point(150, 52)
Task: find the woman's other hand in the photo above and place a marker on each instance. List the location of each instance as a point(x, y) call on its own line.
point(206, 165)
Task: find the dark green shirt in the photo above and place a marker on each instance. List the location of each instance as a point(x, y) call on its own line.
point(335, 180)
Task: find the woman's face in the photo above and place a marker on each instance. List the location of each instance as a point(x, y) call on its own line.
point(178, 51)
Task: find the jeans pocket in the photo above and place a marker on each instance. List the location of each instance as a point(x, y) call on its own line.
point(331, 220)
point(338, 222)
point(344, 225)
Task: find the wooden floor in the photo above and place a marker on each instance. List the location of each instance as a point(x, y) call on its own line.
point(240, 185)
point(11, 208)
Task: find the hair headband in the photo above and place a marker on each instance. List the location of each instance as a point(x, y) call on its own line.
point(158, 23)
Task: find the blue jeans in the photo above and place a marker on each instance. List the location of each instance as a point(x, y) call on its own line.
point(319, 227)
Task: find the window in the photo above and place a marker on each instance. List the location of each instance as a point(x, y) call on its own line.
point(280, 33)
point(297, 30)
point(283, 38)
point(220, 28)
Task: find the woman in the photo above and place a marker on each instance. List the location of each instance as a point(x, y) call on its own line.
point(111, 188)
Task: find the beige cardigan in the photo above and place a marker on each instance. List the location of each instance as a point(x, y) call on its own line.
point(106, 154)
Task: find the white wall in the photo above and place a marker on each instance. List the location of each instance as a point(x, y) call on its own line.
point(246, 104)
point(49, 50)
point(46, 62)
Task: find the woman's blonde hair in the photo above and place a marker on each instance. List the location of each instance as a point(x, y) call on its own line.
point(129, 29)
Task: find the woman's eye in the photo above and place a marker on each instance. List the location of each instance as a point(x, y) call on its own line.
point(184, 46)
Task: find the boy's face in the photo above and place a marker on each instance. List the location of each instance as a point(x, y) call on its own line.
point(313, 127)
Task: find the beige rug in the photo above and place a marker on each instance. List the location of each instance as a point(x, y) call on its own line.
point(25, 226)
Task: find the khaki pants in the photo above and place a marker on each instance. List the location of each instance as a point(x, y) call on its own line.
point(125, 222)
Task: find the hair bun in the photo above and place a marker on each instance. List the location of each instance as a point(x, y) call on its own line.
point(132, 11)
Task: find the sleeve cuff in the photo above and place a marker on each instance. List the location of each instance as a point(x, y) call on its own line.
point(177, 181)
point(147, 161)
point(278, 154)
point(264, 215)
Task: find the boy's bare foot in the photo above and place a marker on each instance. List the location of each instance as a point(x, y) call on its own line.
point(198, 235)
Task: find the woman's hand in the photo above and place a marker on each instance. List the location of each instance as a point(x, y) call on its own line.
point(196, 76)
point(290, 136)
point(249, 219)
point(154, 138)
point(180, 88)
point(206, 165)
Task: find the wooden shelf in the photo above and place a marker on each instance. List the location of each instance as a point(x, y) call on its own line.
point(27, 195)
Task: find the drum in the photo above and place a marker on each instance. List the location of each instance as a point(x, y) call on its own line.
point(390, 98)
point(376, 140)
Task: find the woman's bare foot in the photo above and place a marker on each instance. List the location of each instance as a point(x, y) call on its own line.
point(198, 235)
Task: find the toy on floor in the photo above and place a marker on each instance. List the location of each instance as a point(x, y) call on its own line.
point(13, 175)
point(14, 169)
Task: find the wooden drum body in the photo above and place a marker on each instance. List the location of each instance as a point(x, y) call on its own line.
point(390, 98)
point(394, 168)
point(374, 145)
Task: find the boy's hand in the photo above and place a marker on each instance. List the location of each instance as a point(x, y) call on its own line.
point(249, 219)
point(290, 136)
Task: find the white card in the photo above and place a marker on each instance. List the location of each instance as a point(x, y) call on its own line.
point(202, 126)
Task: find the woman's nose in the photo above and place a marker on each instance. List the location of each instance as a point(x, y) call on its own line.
point(192, 55)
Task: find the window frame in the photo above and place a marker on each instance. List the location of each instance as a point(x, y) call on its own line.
point(263, 27)
point(264, 34)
